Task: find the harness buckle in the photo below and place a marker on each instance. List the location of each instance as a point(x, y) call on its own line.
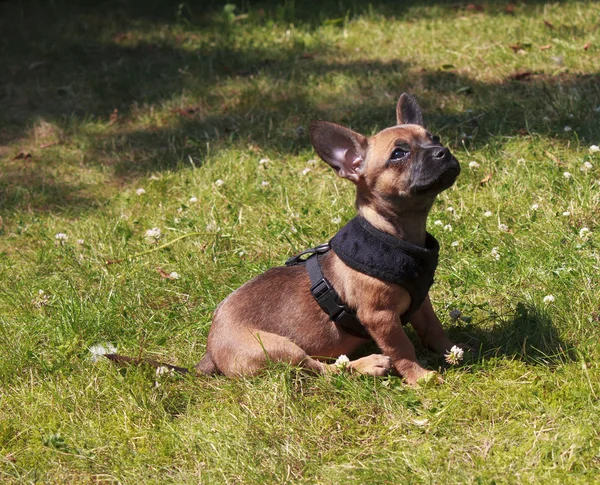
point(299, 258)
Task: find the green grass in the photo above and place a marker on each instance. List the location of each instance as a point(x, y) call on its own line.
point(203, 94)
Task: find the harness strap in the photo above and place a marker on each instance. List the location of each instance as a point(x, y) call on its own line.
point(324, 293)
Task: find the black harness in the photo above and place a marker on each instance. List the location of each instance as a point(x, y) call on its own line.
point(376, 253)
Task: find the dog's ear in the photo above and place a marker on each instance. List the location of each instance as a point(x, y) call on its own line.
point(408, 111)
point(343, 149)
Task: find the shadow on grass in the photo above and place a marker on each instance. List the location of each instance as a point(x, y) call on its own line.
point(72, 65)
point(528, 335)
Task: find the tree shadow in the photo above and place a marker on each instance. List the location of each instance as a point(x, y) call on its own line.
point(72, 65)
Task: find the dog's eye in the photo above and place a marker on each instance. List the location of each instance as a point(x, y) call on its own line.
point(398, 154)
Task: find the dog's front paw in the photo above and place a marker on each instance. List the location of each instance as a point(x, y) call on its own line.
point(372, 365)
point(422, 378)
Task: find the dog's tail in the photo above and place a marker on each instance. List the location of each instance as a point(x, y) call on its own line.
point(123, 359)
point(206, 366)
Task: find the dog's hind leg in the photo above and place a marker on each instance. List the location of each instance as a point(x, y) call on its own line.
point(257, 348)
point(248, 352)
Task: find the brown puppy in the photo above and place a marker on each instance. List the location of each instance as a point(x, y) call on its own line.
point(398, 172)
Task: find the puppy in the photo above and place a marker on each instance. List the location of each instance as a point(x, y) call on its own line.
point(377, 269)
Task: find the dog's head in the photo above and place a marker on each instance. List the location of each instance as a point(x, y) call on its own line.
point(398, 165)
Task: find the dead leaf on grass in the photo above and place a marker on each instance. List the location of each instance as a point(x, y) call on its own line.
point(22, 155)
point(485, 179)
point(545, 47)
point(164, 274)
point(521, 76)
point(549, 25)
point(587, 46)
point(186, 112)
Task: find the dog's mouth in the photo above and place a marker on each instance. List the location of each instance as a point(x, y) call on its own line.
point(440, 180)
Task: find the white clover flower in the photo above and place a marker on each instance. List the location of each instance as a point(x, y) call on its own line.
point(455, 355)
point(164, 370)
point(342, 362)
point(584, 232)
point(566, 213)
point(212, 227)
point(474, 165)
point(594, 149)
point(448, 228)
point(336, 220)
point(549, 299)
point(242, 254)
point(61, 237)
point(263, 161)
point(312, 161)
point(546, 119)
point(193, 200)
point(140, 191)
point(438, 223)
point(487, 214)
point(495, 254)
point(264, 183)
point(153, 235)
point(41, 300)
point(176, 220)
point(535, 207)
point(450, 209)
point(586, 167)
point(219, 183)
point(305, 171)
point(455, 314)
point(174, 275)
point(503, 227)
point(568, 128)
point(81, 242)
point(293, 229)
point(98, 350)
point(454, 244)
point(567, 175)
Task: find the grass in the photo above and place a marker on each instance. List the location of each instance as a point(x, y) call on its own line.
point(202, 93)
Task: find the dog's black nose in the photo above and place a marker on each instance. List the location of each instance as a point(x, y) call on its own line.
point(440, 153)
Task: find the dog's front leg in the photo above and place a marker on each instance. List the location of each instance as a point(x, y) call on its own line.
point(386, 329)
point(429, 328)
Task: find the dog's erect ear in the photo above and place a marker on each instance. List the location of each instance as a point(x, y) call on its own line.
point(343, 149)
point(408, 111)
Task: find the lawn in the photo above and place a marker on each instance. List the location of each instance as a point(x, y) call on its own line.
point(119, 117)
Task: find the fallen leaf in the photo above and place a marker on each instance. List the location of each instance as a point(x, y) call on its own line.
point(516, 47)
point(485, 179)
point(113, 117)
point(545, 47)
point(587, 46)
point(554, 159)
point(549, 25)
point(521, 75)
point(164, 274)
point(522, 131)
point(187, 112)
point(22, 155)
